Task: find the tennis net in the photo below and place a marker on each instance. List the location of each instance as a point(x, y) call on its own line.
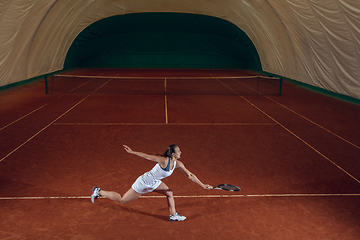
point(119, 85)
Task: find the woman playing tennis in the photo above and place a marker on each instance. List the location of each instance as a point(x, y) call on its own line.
point(151, 181)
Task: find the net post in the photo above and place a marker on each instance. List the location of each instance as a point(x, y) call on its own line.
point(280, 88)
point(257, 90)
point(46, 85)
point(52, 83)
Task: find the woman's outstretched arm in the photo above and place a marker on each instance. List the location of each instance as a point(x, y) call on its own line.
point(153, 158)
point(192, 176)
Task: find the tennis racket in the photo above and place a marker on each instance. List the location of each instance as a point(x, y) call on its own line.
point(227, 187)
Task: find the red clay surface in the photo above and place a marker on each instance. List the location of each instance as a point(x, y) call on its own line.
point(295, 157)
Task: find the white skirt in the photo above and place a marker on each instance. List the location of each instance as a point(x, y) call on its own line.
point(142, 186)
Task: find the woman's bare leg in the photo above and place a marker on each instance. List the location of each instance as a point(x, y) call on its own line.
point(164, 189)
point(129, 196)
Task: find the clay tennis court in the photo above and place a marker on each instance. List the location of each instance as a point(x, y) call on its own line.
point(295, 157)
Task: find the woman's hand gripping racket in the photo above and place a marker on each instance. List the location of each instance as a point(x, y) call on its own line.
point(227, 187)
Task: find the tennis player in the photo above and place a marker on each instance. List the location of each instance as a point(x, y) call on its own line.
point(151, 181)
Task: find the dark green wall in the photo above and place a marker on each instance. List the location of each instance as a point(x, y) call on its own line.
point(162, 40)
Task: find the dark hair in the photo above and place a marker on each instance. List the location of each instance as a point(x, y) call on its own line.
point(170, 150)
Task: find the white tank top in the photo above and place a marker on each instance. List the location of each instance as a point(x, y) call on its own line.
point(156, 174)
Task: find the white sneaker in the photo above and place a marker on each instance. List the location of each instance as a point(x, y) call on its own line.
point(95, 194)
point(176, 217)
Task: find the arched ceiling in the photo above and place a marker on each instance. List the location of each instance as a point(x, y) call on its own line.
point(315, 42)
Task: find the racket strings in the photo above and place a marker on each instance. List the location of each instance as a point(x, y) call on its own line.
point(228, 187)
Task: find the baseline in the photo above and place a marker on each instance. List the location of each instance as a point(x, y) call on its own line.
point(206, 196)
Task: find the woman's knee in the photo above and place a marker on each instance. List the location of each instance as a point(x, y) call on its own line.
point(169, 193)
point(123, 201)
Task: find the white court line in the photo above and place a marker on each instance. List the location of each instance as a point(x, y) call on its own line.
point(316, 124)
point(206, 196)
point(24, 116)
point(56, 119)
point(302, 140)
point(40, 108)
point(40, 131)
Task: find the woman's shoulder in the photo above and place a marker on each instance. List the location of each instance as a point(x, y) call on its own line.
point(179, 163)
